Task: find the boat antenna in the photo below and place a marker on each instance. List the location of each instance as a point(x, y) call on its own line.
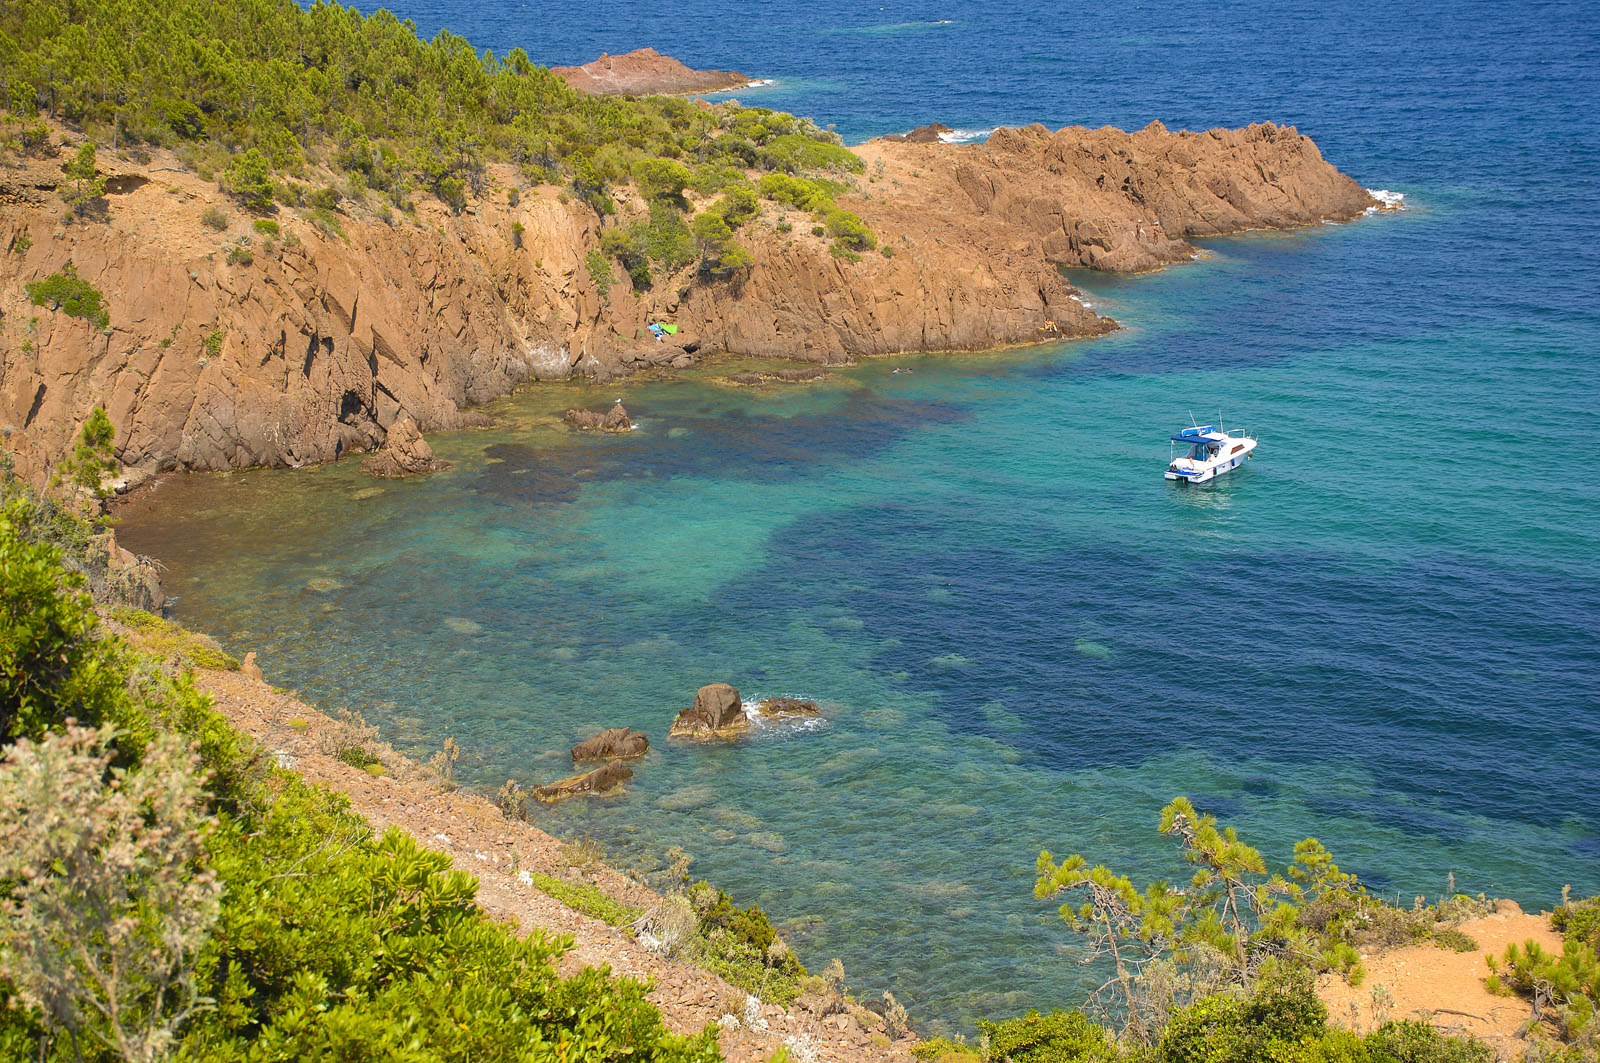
point(1192, 422)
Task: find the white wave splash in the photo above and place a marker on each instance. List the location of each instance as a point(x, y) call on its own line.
point(788, 725)
point(761, 83)
point(1387, 200)
point(964, 136)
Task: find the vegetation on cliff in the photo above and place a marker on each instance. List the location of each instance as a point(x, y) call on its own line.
point(269, 94)
point(170, 892)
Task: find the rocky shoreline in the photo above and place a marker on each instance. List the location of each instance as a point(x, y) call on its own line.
point(298, 342)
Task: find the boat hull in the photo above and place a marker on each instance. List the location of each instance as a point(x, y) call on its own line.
point(1207, 473)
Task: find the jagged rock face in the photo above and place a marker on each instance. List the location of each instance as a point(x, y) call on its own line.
point(322, 343)
point(612, 743)
point(717, 713)
point(404, 453)
point(645, 72)
point(615, 419)
point(784, 708)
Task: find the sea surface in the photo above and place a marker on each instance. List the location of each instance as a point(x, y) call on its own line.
point(1382, 632)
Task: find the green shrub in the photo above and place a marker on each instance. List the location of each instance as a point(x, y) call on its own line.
point(213, 218)
point(658, 245)
point(1580, 921)
point(795, 154)
point(1059, 1037)
point(795, 191)
point(73, 296)
point(268, 226)
point(945, 1050)
point(1417, 1042)
point(249, 178)
point(239, 255)
point(1572, 978)
point(171, 641)
point(720, 254)
point(662, 181)
point(737, 206)
point(599, 272)
point(849, 231)
point(1454, 940)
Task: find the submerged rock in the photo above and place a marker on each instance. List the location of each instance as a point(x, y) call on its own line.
point(404, 453)
point(788, 709)
point(598, 781)
point(615, 419)
point(612, 743)
point(717, 713)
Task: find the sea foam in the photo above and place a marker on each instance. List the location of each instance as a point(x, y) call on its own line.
point(964, 136)
point(1387, 200)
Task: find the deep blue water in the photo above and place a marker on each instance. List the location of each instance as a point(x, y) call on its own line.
point(1382, 632)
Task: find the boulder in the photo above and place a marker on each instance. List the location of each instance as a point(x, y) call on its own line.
point(1507, 906)
point(250, 668)
point(788, 709)
point(716, 713)
point(615, 419)
point(612, 743)
point(404, 453)
point(130, 579)
point(598, 781)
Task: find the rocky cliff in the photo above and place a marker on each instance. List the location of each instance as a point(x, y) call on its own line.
point(645, 71)
point(233, 346)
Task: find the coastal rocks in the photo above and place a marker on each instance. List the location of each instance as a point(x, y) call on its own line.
point(615, 419)
point(250, 668)
point(590, 783)
point(787, 709)
point(923, 134)
point(644, 72)
point(404, 453)
point(130, 579)
point(612, 743)
point(778, 376)
point(717, 713)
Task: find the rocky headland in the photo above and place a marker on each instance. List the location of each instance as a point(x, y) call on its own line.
point(233, 344)
point(645, 72)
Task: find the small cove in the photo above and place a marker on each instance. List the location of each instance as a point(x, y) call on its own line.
point(1381, 633)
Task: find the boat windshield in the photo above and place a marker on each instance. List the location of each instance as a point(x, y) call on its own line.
point(1203, 451)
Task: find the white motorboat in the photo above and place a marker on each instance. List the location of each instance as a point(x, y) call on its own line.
point(1212, 451)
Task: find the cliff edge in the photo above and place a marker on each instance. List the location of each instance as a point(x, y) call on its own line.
point(235, 341)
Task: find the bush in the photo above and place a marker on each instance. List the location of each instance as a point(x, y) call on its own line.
point(599, 272)
point(737, 206)
point(1454, 940)
point(1417, 1042)
point(172, 641)
point(73, 296)
point(249, 178)
point(795, 191)
point(1580, 921)
point(266, 225)
point(213, 218)
point(1572, 979)
point(1059, 1037)
point(589, 899)
point(239, 255)
point(662, 181)
point(849, 231)
point(719, 253)
point(795, 153)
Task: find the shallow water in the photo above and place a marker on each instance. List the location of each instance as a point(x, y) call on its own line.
point(1381, 632)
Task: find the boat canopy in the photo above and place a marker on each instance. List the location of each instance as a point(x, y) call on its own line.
point(1195, 435)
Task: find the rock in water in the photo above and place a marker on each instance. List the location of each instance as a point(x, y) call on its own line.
point(716, 713)
point(615, 419)
point(788, 709)
point(593, 782)
point(612, 743)
point(404, 453)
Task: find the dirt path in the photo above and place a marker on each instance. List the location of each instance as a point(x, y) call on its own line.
point(1442, 987)
point(495, 849)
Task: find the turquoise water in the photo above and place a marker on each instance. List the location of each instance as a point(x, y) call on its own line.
point(1381, 632)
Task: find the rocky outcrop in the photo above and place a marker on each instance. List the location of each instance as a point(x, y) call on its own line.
point(923, 134)
point(404, 453)
point(645, 72)
point(615, 419)
point(787, 709)
point(615, 743)
point(246, 347)
point(717, 713)
point(128, 579)
point(599, 781)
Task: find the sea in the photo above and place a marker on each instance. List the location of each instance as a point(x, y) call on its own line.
point(1383, 632)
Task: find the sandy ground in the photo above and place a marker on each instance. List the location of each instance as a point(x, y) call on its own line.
point(483, 841)
point(1442, 987)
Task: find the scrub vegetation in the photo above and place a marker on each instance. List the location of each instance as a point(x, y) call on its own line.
point(324, 109)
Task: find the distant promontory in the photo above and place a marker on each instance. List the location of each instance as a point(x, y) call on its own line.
point(645, 72)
